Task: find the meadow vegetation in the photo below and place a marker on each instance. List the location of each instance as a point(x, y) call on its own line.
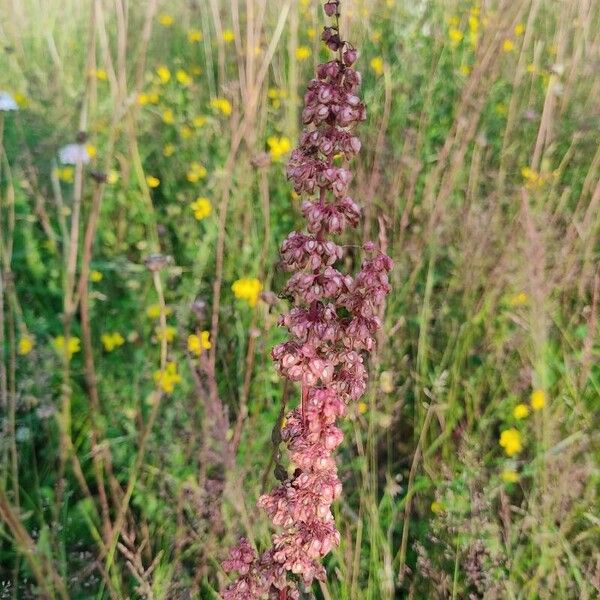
point(140, 293)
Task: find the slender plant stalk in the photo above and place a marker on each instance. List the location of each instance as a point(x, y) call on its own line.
point(137, 464)
point(43, 571)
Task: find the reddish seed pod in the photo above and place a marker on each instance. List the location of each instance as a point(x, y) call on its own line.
point(334, 43)
point(330, 8)
point(350, 56)
point(332, 324)
point(324, 94)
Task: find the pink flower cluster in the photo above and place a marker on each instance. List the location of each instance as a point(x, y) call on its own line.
point(334, 319)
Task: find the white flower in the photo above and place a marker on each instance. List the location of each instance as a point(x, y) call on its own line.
point(7, 102)
point(23, 434)
point(72, 154)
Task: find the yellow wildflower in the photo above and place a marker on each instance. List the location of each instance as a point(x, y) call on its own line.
point(278, 147)
point(165, 20)
point(377, 65)
point(167, 333)
point(275, 95)
point(247, 288)
point(436, 507)
point(518, 299)
point(473, 30)
point(197, 343)
point(521, 411)
point(196, 172)
point(113, 177)
point(185, 132)
point(509, 476)
point(167, 378)
point(143, 99)
point(152, 181)
point(199, 121)
point(194, 36)
point(96, 276)
point(67, 347)
point(311, 32)
point(65, 174)
point(164, 74)
point(228, 36)
point(532, 178)
point(113, 340)
point(362, 407)
point(455, 35)
point(508, 45)
point(473, 23)
point(519, 29)
point(168, 150)
point(21, 99)
point(168, 116)
point(91, 150)
point(222, 105)
point(303, 52)
point(465, 70)
point(153, 97)
point(153, 311)
point(201, 208)
point(100, 74)
point(25, 345)
point(501, 109)
point(538, 399)
point(510, 440)
point(183, 77)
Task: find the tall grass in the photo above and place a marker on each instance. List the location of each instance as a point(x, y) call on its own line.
point(480, 175)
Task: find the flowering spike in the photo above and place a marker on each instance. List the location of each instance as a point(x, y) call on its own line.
point(334, 319)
